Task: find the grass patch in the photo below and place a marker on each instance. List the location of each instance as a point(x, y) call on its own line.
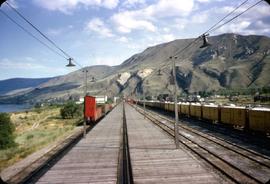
point(35, 130)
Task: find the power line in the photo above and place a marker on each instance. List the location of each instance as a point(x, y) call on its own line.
point(40, 32)
point(211, 29)
point(52, 42)
point(236, 16)
point(226, 16)
point(32, 35)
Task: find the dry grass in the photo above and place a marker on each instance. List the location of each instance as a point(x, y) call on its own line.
point(35, 130)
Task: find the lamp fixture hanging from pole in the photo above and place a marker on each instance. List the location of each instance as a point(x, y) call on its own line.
point(159, 72)
point(70, 64)
point(205, 41)
point(93, 79)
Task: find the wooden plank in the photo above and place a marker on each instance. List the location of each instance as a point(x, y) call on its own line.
point(154, 157)
point(94, 159)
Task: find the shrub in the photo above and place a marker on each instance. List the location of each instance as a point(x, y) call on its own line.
point(6, 132)
point(69, 110)
point(30, 136)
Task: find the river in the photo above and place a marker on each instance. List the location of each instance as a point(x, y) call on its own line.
point(14, 107)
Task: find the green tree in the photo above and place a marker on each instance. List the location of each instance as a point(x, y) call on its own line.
point(6, 132)
point(70, 110)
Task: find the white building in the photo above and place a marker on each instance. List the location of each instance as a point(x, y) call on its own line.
point(101, 99)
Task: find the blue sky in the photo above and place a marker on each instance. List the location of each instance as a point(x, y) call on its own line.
point(107, 32)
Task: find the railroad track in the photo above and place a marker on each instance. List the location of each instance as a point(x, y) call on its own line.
point(32, 172)
point(125, 175)
point(239, 164)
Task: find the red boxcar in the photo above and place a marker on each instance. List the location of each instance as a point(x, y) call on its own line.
point(98, 114)
point(90, 108)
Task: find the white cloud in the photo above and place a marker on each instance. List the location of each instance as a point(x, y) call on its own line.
point(54, 32)
point(248, 23)
point(180, 23)
point(158, 39)
point(123, 39)
point(258, 11)
point(245, 28)
point(98, 26)
point(130, 3)
point(166, 8)
point(68, 5)
point(200, 18)
point(238, 27)
point(27, 64)
point(110, 4)
point(127, 21)
point(108, 60)
point(208, 1)
point(203, 1)
point(30, 65)
point(135, 46)
point(168, 37)
point(142, 19)
point(166, 29)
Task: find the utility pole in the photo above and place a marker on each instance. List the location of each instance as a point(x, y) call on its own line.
point(144, 104)
point(85, 93)
point(176, 134)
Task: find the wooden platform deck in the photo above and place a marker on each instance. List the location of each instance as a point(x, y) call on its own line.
point(154, 158)
point(94, 159)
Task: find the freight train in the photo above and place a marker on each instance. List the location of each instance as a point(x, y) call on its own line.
point(93, 111)
point(252, 119)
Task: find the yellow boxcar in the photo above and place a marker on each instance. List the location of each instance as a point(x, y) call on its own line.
point(210, 112)
point(233, 115)
point(166, 106)
point(185, 108)
point(259, 120)
point(195, 110)
point(171, 107)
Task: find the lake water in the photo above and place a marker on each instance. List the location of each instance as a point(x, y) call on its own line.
point(14, 107)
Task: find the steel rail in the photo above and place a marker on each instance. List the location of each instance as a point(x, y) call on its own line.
point(231, 171)
point(252, 155)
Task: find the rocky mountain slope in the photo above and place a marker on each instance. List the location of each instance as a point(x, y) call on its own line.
point(232, 61)
point(11, 86)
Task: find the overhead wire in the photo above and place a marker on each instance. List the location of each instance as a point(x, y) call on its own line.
point(228, 21)
point(236, 8)
point(42, 34)
point(32, 35)
point(211, 29)
point(52, 42)
point(196, 39)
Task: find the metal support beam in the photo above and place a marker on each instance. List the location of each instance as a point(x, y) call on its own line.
point(176, 134)
point(144, 104)
point(85, 93)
